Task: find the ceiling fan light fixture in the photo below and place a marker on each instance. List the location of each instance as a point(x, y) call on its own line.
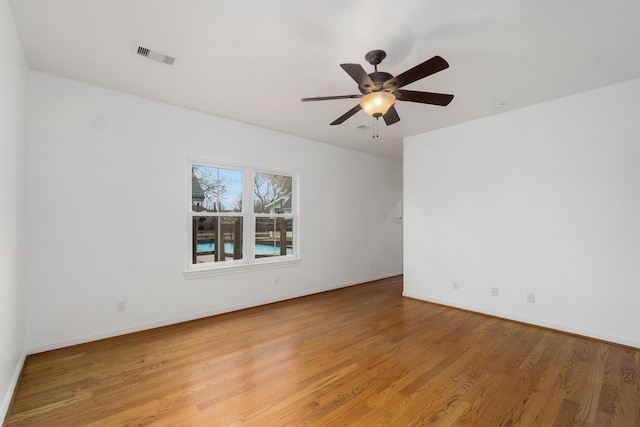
point(377, 104)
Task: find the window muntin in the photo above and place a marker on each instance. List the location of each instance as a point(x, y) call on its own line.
point(218, 217)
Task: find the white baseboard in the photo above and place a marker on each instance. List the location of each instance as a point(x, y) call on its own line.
point(144, 327)
point(535, 322)
point(6, 402)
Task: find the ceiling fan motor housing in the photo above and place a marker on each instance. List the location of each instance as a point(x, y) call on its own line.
point(377, 77)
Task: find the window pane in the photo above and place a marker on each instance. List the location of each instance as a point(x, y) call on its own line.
point(215, 189)
point(272, 193)
point(274, 237)
point(209, 233)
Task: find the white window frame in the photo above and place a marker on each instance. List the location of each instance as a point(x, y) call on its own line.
point(248, 261)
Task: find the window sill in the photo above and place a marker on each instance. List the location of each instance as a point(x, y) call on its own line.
point(240, 268)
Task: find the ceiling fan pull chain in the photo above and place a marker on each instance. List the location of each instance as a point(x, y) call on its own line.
point(374, 130)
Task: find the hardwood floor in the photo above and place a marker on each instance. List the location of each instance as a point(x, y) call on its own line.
point(359, 356)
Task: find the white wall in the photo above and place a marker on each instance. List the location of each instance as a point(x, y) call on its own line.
point(13, 190)
point(543, 199)
point(106, 213)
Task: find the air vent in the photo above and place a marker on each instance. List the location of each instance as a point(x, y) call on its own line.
point(152, 54)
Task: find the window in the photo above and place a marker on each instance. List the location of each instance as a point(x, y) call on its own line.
point(272, 210)
point(239, 216)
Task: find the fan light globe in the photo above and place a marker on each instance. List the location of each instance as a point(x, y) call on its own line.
point(377, 104)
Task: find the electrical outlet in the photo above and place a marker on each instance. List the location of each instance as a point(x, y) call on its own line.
point(494, 292)
point(531, 297)
point(276, 281)
point(121, 305)
point(456, 286)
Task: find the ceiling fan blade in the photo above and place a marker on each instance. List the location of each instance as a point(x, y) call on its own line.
point(358, 74)
point(428, 67)
point(391, 116)
point(328, 98)
point(346, 115)
point(441, 99)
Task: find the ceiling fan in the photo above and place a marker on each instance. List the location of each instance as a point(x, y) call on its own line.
point(381, 90)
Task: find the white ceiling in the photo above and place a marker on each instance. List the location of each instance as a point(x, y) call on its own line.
point(253, 60)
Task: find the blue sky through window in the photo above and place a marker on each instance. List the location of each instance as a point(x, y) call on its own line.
point(222, 187)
